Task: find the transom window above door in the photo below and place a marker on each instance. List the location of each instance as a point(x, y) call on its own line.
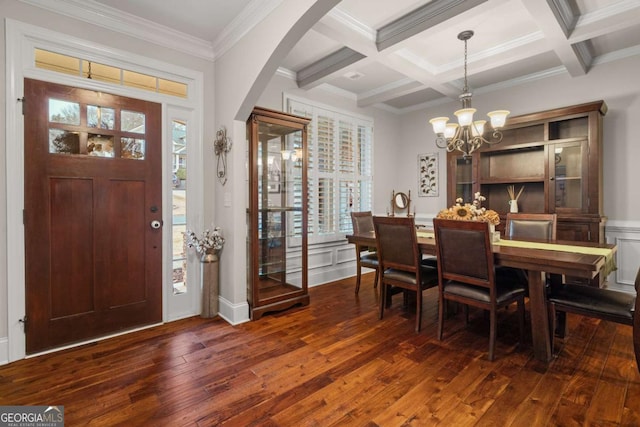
point(65, 64)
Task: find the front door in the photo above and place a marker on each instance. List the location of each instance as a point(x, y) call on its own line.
point(93, 217)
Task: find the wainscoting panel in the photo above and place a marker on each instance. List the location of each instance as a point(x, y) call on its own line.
point(626, 236)
point(331, 261)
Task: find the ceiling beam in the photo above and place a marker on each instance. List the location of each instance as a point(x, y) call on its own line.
point(615, 17)
point(557, 20)
point(421, 19)
point(312, 75)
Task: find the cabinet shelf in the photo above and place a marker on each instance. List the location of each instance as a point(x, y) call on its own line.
point(568, 178)
point(512, 180)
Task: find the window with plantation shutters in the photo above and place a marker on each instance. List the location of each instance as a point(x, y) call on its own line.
point(340, 168)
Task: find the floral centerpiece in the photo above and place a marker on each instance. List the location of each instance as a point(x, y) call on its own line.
point(471, 211)
point(210, 240)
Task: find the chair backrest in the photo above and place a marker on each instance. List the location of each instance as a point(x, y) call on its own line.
point(528, 225)
point(464, 252)
point(397, 243)
point(362, 222)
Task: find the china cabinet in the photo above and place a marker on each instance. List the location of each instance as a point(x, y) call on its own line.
point(277, 214)
point(556, 155)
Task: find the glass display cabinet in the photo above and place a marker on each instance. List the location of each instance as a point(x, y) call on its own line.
point(277, 215)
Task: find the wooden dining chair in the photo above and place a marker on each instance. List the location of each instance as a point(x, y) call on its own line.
point(400, 261)
point(522, 226)
point(600, 303)
point(531, 225)
point(466, 274)
point(366, 256)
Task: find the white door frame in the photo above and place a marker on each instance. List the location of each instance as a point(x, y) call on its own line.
point(21, 40)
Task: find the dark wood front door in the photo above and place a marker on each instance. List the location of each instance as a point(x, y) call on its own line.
point(92, 191)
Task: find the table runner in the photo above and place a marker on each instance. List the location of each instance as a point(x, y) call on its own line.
point(610, 264)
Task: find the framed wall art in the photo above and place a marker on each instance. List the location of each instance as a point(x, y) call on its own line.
point(428, 175)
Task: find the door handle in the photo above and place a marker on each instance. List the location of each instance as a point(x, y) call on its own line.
point(155, 224)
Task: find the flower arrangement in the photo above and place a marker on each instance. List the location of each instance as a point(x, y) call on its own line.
point(209, 240)
point(471, 211)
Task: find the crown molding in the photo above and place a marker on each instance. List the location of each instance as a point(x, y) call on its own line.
point(621, 7)
point(565, 15)
point(353, 24)
point(249, 17)
point(113, 19)
point(287, 73)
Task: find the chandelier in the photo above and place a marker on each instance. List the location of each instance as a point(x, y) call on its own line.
point(466, 136)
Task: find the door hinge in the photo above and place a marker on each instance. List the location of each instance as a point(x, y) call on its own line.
point(22, 100)
point(24, 323)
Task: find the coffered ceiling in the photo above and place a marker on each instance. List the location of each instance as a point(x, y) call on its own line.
point(402, 55)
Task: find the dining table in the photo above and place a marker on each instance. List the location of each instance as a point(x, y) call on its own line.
point(537, 258)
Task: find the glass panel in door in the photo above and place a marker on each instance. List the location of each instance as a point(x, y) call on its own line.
point(568, 176)
point(464, 179)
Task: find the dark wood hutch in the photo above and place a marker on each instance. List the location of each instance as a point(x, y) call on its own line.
point(556, 155)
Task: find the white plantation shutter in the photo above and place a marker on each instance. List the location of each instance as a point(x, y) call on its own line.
point(326, 204)
point(340, 168)
point(307, 111)
point(345, 205)
point(365, 168)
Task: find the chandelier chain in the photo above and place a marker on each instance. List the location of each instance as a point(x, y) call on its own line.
point(466, 86)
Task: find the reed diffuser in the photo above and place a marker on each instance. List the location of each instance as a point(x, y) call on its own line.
point(513, 197)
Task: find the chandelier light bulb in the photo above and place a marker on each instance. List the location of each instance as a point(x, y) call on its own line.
point(439, 124)
point(478, 127)
point(498, 118)
point(450, 130)
point(465, 116)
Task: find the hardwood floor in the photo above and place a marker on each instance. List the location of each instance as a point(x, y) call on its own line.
point(335, 363)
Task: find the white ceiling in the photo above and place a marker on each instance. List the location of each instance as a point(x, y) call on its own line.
point(405, 53)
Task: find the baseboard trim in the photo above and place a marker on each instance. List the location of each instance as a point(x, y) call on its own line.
point(4, 351)
point(234, 314)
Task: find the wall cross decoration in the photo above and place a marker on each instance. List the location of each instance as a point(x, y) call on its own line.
point(222, 146)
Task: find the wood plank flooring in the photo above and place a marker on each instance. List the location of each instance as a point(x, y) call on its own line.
point(334, 363)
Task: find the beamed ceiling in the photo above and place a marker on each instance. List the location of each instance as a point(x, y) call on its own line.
point(402, 55)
